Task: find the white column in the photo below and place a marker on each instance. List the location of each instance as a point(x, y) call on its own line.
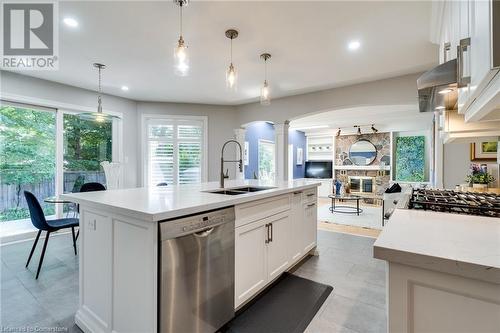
point(281, 146)
point(239, 135)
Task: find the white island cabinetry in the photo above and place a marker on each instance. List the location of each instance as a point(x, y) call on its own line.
point(119, 244)
point(443, 272)
point(271, 236)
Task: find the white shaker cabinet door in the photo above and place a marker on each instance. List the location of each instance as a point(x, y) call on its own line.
point(296, 221)
point(277, 247)
point(310, 226)
point(250, 260)
point(480, 48)
point(95, 267)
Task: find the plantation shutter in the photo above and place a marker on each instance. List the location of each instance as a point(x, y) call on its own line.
point(175, 151)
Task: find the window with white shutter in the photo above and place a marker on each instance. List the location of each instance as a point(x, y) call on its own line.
point(175, 151)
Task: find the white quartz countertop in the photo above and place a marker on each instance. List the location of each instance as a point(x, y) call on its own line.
point(462, 245)
point(166, 202)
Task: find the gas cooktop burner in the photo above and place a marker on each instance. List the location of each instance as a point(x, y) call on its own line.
point(484, 204)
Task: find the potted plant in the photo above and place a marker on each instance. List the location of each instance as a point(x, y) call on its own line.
point(479, 177)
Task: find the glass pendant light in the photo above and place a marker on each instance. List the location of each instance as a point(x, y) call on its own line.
point(231, 75)
point(98, 116)
point(265, 95)
point(181, 59)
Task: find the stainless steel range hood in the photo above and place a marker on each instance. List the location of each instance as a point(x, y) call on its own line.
point(437, 88)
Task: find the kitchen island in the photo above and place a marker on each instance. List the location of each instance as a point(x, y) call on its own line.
point(121, 234)
point(443, 272)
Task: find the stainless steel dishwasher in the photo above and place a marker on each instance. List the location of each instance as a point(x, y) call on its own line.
point(196, 267)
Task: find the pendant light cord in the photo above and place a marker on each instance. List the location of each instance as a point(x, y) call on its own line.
point(265, 69)
point(231, 50)
point(180, 22)
point(99, 81)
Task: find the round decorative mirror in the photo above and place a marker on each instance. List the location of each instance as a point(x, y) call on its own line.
point(362, 152)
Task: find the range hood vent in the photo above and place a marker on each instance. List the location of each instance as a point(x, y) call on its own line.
point(439, 79)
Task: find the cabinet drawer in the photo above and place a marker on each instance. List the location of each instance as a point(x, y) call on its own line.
point(256, 210)
point(309, 195)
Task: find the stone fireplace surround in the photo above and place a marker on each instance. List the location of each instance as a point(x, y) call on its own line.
point(382, 142)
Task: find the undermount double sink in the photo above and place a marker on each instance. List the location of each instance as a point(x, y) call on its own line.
point(240, 190)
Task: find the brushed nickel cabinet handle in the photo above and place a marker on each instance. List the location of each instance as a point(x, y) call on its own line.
point(310, 205)
point(267, 233)
point(463, 46)
point(271, 225)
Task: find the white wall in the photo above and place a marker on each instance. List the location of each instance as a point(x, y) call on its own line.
point(456, 163)
point(61, 96)
point(400, 90)
point(222, 120)
point(221, 125)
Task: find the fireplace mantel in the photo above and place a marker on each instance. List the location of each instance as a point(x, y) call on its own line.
point(361, 167)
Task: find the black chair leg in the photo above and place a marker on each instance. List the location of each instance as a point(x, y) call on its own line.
point(74, 238)
point(77, 234)
point(33, 248)
point(43, 254)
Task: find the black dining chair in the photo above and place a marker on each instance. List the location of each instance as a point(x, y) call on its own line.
point(39, 221)
point(90, 187)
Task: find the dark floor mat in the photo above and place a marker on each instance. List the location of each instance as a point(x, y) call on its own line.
point(288, 306)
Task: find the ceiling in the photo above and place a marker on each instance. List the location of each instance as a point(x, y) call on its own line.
point(308, 42)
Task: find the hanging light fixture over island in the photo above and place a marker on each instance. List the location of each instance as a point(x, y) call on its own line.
point(231, 75)
point(265, 94)
point(98, 116)
point(181, 59)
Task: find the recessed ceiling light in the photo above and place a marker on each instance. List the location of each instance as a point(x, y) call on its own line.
point(70, 22)
point(124, 88)
point(440, 108)
point(353, 45)
point(445, 91)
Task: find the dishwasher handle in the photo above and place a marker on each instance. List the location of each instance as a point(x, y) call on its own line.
point(204, 233)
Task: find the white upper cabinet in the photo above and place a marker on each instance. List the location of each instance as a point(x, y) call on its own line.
point(466, 32)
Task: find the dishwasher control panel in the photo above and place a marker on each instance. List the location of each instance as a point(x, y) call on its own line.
point(194, 223)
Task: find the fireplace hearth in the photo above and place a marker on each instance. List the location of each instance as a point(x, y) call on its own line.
point(360, 184)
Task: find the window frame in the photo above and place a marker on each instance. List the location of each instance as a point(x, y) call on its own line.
point(146, 119)
point(60, 108)
point(266, 142)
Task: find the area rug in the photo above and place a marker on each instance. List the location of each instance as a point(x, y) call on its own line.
point(288, 306)
point(371, 217)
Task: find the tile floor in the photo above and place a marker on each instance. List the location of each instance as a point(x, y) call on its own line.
point(357, 303)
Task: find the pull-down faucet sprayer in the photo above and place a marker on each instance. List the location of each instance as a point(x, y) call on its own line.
point(240, 161)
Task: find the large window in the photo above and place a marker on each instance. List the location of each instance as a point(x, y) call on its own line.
point(48, 152)
point(86, 144)
point(266, 160)
point(27, 159)
point(175, 150)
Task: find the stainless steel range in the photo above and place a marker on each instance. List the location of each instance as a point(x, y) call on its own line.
point(484, 204)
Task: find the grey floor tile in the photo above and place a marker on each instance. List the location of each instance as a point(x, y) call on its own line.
point(367, 274)
point(354, 315)
point(21, 309)
point(326, 326)
point(356, 305)
point(363, 292)
point(69, 324)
